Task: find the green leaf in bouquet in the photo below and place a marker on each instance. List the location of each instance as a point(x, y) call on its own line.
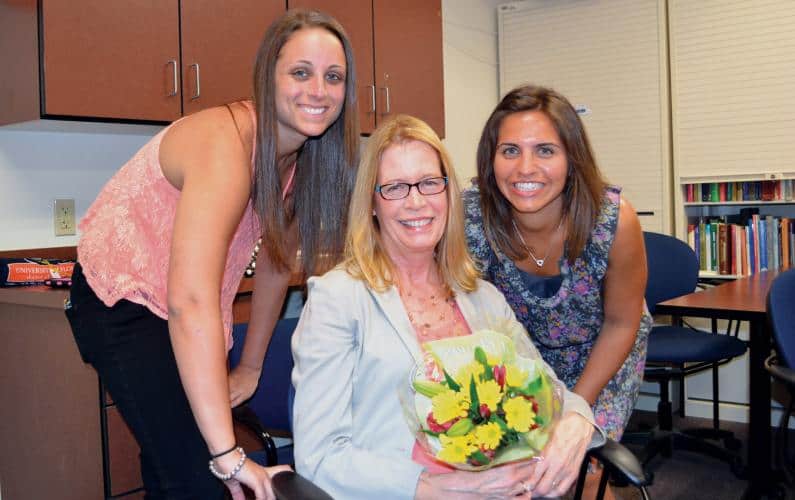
point(452, 384)
point(480, 356)
point(474, 406)
point(532, 387)
point(429, 432)
point(479, 457)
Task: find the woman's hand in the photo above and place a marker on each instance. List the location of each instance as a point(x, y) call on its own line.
point(254, 476)
point(505, 481)
point(243, 382)
point(562, 456)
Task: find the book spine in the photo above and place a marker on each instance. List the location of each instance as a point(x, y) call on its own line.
point(762, 244)
point(713, 246)
point(723, 249)
point(755, 235)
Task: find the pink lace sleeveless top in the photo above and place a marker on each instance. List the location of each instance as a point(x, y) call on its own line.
point(126, 237)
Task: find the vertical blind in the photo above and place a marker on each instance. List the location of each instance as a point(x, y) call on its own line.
point(609, 58)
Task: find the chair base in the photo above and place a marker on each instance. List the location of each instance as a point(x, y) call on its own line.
point(662, 442)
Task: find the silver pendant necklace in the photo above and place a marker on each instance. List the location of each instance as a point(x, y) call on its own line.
point(538, 262)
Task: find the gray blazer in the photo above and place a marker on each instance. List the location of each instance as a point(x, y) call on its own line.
point(353, 347)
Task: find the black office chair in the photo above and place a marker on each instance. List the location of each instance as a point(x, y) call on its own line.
point(267, 414)
point(781, 313)
point(676, 352)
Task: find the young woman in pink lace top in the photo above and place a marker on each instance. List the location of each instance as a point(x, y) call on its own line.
point(165, 244)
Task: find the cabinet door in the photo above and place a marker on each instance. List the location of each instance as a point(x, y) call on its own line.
point(408, 59)
point(220, 39)
point(356, 16)
point(111, 59)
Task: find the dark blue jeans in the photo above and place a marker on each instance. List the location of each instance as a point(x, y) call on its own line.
point(131, 351)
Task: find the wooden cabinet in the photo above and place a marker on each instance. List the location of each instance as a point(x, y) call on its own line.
point(398, 51)
point(110, 59)
point(220, 39)
point(52, 420)
point(152, 60)
point(408, 64)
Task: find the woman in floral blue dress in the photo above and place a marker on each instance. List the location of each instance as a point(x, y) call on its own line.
point(563, 247)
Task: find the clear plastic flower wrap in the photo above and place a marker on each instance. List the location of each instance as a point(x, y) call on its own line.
point(483, 399)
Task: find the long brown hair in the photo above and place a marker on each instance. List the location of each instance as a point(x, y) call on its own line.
point(365, 257)
point(582, 194)
point(326, 164)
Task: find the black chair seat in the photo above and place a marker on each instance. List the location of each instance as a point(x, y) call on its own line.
point(675, 344)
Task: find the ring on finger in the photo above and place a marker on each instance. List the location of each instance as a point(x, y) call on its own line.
point(555, 483)
point(526, 487)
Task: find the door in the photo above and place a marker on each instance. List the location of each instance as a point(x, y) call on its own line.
point(111, 59)
point(408, 59)
point(356, 17)
point(220, 39)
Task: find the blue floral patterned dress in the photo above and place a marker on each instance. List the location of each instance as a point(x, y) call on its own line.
point(565, 325)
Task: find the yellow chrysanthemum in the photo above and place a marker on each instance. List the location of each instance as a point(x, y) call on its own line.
point(519, 414)
point(449, 405)
point(515, 376)
point(489, 393)
point(488, 436)
point(466, 372)
point(455, 449)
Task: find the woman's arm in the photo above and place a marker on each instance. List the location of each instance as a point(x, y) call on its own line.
point(203, 158)
point(270, 288)
point(624, 289)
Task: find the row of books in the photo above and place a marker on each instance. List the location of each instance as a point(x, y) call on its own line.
point(742, 249)
point(740, 191)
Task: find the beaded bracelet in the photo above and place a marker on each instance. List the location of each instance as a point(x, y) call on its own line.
point(230, 450)
point(235, 469)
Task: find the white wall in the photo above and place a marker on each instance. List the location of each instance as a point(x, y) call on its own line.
point(41, 161)
point(44, 160)
point(470, 77)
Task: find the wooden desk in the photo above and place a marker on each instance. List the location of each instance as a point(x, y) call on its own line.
point(743, 299)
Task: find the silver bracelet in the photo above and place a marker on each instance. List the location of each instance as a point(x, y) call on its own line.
point(235, 469)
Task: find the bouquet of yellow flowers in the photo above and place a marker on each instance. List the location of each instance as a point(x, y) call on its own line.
point(482, 400)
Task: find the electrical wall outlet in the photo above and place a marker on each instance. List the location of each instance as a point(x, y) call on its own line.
point(64, 217)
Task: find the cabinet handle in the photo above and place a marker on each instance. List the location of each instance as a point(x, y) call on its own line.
point(388, 104)
point(173, 64)
point(646, 212)
point(198, 82)
point(372, 98)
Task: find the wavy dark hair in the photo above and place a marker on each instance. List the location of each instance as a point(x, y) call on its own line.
point(582, 194)
point(326, 164)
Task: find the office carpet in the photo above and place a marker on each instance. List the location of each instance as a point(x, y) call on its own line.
point(688, 475)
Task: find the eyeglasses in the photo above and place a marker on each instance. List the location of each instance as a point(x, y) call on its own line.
point(399, 190)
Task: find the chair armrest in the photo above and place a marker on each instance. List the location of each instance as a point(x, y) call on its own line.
point(246, 417)
point(289, 485)
point(621, 463)
point(780, 372)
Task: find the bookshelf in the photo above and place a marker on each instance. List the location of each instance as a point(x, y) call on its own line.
point(739, 227)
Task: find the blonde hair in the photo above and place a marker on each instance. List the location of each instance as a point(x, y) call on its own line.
point(365, 258)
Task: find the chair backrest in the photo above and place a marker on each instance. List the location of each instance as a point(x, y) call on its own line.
point(673, 268)
point(781, 312)
point(270, 400)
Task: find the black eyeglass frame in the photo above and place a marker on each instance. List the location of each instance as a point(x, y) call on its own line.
point(378, 189)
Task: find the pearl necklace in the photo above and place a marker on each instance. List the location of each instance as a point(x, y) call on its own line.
point(538, 262)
